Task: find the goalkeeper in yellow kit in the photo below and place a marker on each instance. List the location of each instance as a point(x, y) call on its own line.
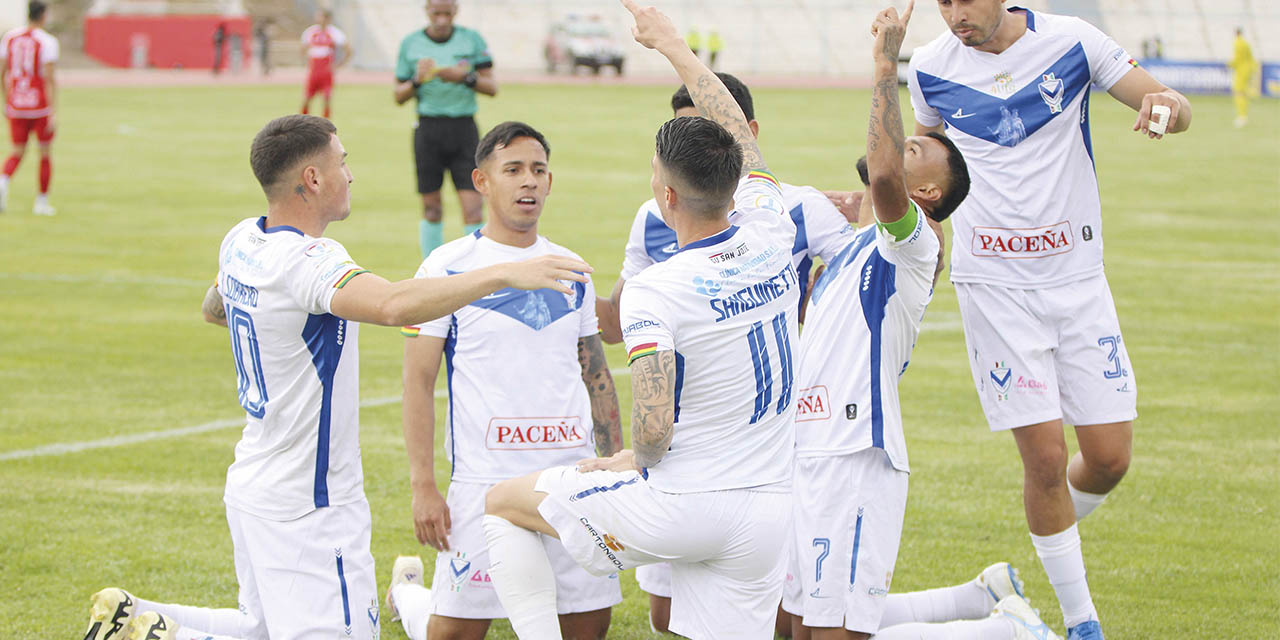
point(1243, 84)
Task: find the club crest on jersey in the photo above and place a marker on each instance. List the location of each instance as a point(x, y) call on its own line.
point(1002, 376)
point(1051, 91)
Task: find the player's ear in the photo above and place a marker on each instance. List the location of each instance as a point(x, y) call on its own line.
point(755, 128)
point(929, 192)
point(549, 176)
point(670, 196)
point(480, 180)
point(311, 177)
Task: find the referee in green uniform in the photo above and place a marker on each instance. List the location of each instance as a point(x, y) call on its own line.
point(444, 66)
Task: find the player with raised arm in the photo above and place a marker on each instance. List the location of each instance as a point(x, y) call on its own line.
point(292, 300)
point(821, 231)
point(27, 58)
point(1012, 89)
point(709, 332)
point(529, 388)
point(320, 44)
point(851, 472)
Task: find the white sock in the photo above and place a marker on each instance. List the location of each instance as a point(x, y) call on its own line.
point(4, 181)
point(523, 578)
point(987, 629)
point(968, 601)
point(1064, 565)
point(218, 624)
point(1085, 503)
point(413, 602)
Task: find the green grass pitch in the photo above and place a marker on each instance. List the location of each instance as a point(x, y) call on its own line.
point(101, 336)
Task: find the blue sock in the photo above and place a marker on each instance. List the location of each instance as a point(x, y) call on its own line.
point(472, 228)
point(430, 236)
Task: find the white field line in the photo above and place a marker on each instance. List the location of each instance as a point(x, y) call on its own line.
point(216, 425)
point(78, 279)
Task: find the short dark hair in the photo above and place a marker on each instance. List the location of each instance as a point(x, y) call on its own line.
point(741, 94)
point(35, 10)
point(957, 180)
point(704, 157)
point(503, 134)
point(284, 143)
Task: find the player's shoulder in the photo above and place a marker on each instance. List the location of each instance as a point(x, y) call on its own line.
point(310, 31)
point(456, 255)
point(44, 37)
point(553, 248)
point(1052, 24)
point(809, 198)
point(935, 51)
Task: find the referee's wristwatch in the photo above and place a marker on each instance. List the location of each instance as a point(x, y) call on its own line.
point(471, 79)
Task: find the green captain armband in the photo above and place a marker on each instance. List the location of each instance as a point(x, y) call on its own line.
point(901, 228)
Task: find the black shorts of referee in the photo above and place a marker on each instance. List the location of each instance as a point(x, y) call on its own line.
point(441, 143)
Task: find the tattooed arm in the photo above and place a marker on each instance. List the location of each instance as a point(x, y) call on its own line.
point(886, 142)
point(214, 312)
point(605, 419)
point(653, 411)
point(654, 30)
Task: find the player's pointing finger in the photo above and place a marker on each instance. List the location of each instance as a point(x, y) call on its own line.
point(906, 15)
point(631, 6)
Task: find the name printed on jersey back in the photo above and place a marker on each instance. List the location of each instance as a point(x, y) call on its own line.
point(238, 292)
point(744, 298)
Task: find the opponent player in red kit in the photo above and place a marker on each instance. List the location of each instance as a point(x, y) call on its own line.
point(320, 44)
point(27, 55)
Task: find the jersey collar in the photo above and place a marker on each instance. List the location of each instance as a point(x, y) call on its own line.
point(262, 224)
point(1031, 17)
point(710, 240)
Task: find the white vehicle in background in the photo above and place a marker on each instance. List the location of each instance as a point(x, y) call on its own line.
point(575, 42)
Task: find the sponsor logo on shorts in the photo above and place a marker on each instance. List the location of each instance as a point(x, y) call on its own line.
point(851, 412)
point(1124, 388)
point(1002, 378)
point(605, 542)
point(880, 592)
point(1086, 232)
point(812, 404)
point(1020, 243)
point(481, 579)
point(1030, 385)
point(524, 434)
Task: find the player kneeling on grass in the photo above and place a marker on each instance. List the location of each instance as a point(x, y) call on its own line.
point(851, 470)
point(702, 489)
point(517, 366)
point(292, 300)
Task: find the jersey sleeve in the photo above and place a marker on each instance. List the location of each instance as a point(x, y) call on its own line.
point(587, 311)
point(405, 67)
point(438, 328)
point(339, 38)
point(1108, 61)
point(760, 197)
point(646, 321)
point(480, 58)
point(54, 51)
point(826, 228)
point(910, 241)
point(925, 114)
point(317, 271)
point(635, 257)
point(306, 35)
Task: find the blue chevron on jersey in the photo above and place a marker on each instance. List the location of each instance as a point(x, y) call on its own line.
point(659, 239)
point(535, 309)
point(1009, 121)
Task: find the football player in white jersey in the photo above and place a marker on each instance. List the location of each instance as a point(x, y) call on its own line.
point(709, 332)
point(529, 388)
point(851, 470)
point(292, 300)
point(1011, 88)
point(821, 229)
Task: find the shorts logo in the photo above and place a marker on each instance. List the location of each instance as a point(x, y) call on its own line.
point(851, 412)
point(1019, 243)
point(524, 434)
point(1052, 90)
point(1086, 232)
point(458, 568)
point(1030, 385)
point(812, 404)
point(373, 618)
point(706, 286)
point(879, 592)
point(612, 543)
point(1002, 376)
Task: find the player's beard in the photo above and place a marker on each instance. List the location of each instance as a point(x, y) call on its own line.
point(862, 171)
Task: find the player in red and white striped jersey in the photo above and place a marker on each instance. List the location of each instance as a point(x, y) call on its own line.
point(27, 56)
point(320, 43)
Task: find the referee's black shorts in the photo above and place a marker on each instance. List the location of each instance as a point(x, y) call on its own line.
point(441, 143)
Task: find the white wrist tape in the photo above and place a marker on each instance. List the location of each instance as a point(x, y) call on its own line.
point(1159, 119)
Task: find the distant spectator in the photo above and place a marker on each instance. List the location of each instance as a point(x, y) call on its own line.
point(219, 36)
point(715, 44)
point(262, 44)
point(695, 41)
point(1243, 84)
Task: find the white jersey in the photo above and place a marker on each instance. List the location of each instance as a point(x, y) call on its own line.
point(323, 42)
point(298, 370)
point(726, 305)
point(1033, 217)
point(517, 402)
point(861, 325)
point(821, 231)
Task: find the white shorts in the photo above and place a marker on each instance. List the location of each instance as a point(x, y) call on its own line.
point(1047, 354)
point(725, 547)
point(655, 579)
point(848, 522)
point(461, 585)
point(309, 577)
